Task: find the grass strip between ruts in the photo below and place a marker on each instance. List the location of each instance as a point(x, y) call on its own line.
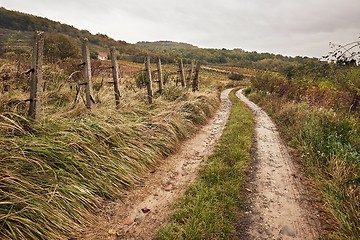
point(209, 208)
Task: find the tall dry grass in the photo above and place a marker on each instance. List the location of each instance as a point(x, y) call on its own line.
point(55, 172)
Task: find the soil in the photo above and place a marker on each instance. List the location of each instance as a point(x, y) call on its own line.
point(277, 209)
point(143, 210)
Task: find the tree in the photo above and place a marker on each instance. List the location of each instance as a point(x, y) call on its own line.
point(60, 46)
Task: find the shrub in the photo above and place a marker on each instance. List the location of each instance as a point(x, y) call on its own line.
point(236, 76)
point(247, 90)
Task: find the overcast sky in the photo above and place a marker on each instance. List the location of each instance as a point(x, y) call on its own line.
point(288, 27)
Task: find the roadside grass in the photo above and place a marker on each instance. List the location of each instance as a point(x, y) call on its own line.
point(209, 208)
point(57, 171)
point(328, 144)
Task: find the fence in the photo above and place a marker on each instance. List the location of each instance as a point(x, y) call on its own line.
point(36, 76)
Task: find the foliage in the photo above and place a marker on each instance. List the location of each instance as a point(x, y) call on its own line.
point(247, 90)
point(94, 55)
point(319, 114)
point(275, 64)
point(337, 88)
point(209, 208)
point(61, 46)
point(236, 76)
point(347, 54)
point(317, 123)
point(21, 24)
point(168, 51)
point(140, 80)
point(237, 57)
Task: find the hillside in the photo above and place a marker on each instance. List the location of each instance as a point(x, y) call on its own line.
point(236, 57)
point(20, 27)
point(16, 29)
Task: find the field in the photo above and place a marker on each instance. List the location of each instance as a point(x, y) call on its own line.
point(58, 170)
point(82, 159)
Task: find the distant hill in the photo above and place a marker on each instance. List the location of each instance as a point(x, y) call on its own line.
point(235, 57)
point(165, 45)
point(16, 31)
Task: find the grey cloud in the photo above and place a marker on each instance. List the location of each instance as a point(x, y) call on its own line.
point(290, 27)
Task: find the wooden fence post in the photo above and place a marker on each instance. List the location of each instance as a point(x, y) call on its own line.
point(195, 85)
point(190, 76)
point(148, 80)
point(115, 74)
point(161, 84)
point(181, 73)
point(36, 76)
point(87, 73)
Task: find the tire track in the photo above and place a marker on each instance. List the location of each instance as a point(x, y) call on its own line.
point(275, 209)
point(145, 208)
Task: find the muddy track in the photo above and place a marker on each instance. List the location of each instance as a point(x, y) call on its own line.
point(146, 207)
point(276, 207)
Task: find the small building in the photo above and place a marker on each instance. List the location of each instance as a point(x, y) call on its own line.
point(102, 55)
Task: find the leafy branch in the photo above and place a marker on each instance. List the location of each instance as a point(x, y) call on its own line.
point(348, 54)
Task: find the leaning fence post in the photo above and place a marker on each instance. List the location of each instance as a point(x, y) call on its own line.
point(195, 85)
point(181, 73)
point(191, 72)
point(148, 80)
point(161, 84)
point(87, 73)
point(36, 76)
point(115, 73)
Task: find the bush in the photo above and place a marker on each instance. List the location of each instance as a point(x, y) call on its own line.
point(247, 90)
point(140, 80)
point(236, 76)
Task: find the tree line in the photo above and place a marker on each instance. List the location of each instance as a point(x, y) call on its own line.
point(68, 37)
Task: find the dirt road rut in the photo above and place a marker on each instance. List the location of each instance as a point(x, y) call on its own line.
point(145, 208)
point(276, 211)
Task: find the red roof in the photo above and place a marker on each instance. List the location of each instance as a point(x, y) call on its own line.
point(103, 54)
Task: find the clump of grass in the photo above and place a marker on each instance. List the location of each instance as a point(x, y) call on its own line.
point(326, 142)
point(208, 209)
point(247, 90)
point(57, 171)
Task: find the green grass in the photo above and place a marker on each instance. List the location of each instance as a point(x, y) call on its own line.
point(209, 208)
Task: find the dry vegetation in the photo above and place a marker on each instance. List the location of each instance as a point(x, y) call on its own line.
point(55, 172)
point(319, 118)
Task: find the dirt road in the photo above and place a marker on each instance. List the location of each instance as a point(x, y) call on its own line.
point(141, 213)
point(276, 210)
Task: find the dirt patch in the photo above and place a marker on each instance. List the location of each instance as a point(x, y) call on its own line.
point(276, 208)
point(145, 208)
